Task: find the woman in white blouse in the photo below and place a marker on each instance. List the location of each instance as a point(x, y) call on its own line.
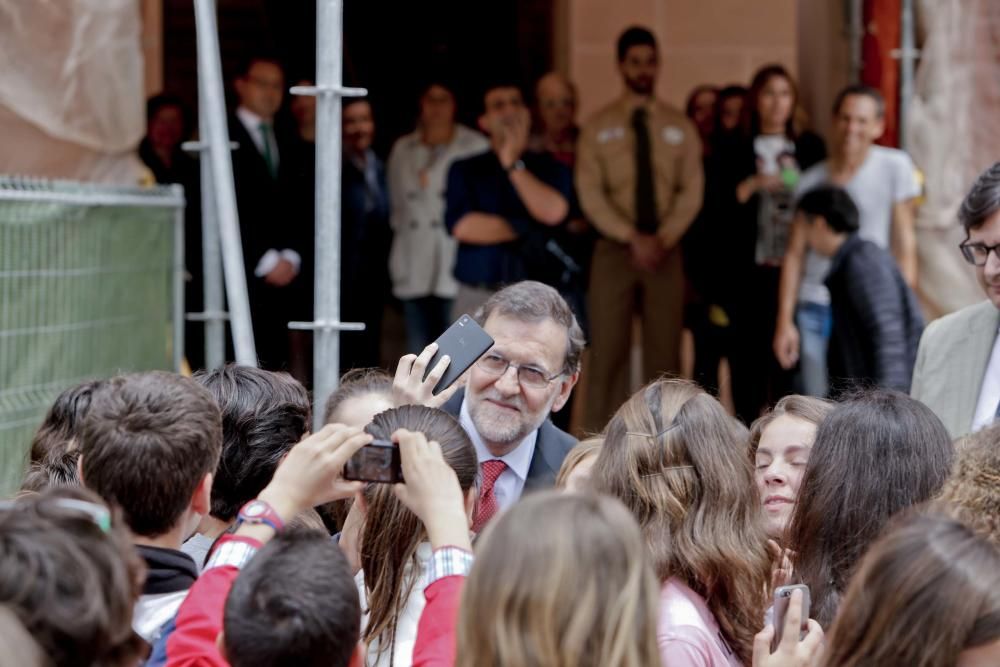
point(423, 254)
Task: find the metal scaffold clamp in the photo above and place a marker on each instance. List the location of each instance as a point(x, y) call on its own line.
point(326, 325)
point(318, 90)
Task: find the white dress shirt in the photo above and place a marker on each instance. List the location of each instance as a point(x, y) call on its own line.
point(510, 483)
point(251, 122)
point(989, 393)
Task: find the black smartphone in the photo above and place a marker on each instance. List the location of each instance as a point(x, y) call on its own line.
point(464, 341)
point(377, 462)
point(782, 597)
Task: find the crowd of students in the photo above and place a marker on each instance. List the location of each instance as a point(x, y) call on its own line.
point(171, 520)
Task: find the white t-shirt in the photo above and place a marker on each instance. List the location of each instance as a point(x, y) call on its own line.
point(886, 178)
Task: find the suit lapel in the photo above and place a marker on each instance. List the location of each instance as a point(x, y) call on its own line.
point(972, 354)
point(545, 461)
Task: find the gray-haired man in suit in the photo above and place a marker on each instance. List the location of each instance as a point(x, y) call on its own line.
point(510, 392)
point(958, 365)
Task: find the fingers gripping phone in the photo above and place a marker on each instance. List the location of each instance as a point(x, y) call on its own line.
point(782, 598)
point(464, 342)
point(377, 462)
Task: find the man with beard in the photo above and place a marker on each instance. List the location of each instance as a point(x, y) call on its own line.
point(640, 181)
point(511, 390)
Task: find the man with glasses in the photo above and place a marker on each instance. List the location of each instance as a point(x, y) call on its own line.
point(958, 365)
point(505, 405)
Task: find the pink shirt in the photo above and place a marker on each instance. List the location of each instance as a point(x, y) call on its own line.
point(687, 633)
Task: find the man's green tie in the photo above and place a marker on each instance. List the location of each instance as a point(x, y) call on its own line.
point(265, 131)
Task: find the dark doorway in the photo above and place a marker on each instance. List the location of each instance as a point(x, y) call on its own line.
point(391, 47)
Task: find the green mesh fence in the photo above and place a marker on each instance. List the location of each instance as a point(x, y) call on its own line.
point(86, 291)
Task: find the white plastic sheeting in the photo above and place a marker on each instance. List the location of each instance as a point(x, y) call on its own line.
point(71, 93)
point(952, 135)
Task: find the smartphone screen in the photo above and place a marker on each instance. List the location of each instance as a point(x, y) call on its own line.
point(376, 462)
point(782, 598)
point(464, 342)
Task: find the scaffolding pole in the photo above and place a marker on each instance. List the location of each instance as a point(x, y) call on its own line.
point(178, 280)
point(908, 54)
point(328, 91)
point(213, 313)
point(222, 194)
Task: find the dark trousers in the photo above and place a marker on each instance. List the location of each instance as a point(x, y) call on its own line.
point(758, 380)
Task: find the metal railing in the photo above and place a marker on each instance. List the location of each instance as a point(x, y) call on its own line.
point(91, 284)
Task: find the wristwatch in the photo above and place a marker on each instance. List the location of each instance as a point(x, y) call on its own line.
point(518, 165)
point(259, 512)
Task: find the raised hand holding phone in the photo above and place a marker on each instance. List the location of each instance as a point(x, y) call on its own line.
point(464, 342)
point(312, 472)
point(414, 384)
point(793, 649)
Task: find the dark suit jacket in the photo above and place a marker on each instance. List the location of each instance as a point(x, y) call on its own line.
point(551, 448)
point(876, 318)
point(268, 219)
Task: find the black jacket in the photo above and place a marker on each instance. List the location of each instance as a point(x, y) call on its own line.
point(719, 247)
point(551, 448)
point(876, 319)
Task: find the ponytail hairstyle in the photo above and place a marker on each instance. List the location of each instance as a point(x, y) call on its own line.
point(391, 533)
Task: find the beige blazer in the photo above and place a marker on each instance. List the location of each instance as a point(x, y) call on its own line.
point(951, 362)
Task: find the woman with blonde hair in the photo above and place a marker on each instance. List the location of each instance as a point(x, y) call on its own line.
point(678, 461)
point(560, 580)
point(574, 474)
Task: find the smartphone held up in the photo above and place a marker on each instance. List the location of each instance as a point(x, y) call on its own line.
point(463, 342)
point(782, 598)
point(377, 462)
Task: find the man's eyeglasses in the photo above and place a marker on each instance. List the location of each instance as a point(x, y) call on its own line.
point(528, 376)
point(97, 514)
point(977, 254)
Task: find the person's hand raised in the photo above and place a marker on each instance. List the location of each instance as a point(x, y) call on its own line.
point(312, 472)
point(409, 386)
point(791, 651)
point(431, 490)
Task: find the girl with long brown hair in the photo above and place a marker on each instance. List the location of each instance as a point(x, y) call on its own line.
point(678, 462)
point(875, 455)
point(926, 595)
point(394, 548)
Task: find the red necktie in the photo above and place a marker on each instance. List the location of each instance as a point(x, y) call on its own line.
point(487, 499)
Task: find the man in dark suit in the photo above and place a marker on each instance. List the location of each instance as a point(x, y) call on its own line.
point(505, 405)
point(264, 166)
